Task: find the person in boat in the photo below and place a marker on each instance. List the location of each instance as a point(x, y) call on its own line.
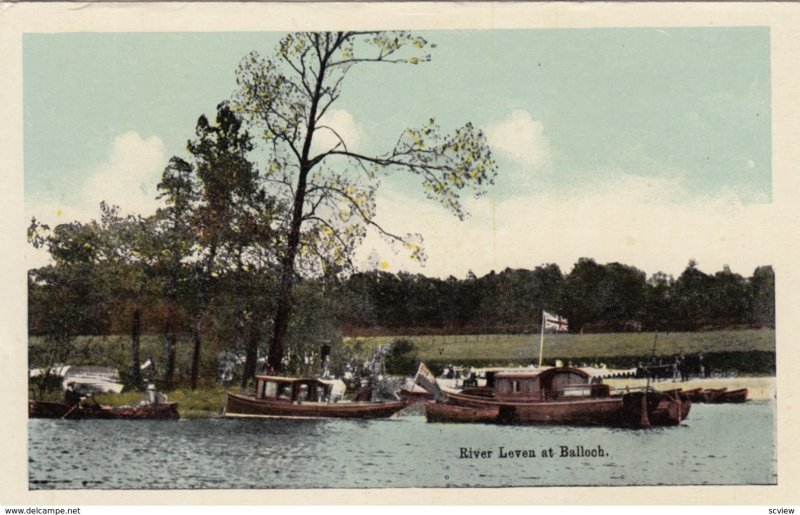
point(364, 393)
point(71, 396)
point(472, 380)
point(153, 396)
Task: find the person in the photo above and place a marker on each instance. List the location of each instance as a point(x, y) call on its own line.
point(683, 367)
point(153, 396)
point(364, 394)
point(71, 396)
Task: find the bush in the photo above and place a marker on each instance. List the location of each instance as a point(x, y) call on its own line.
point(401, 360)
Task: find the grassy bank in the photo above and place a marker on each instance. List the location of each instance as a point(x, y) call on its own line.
point(523, 348)
point(200, 403)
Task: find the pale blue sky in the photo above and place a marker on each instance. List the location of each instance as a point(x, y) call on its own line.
point(681, 113)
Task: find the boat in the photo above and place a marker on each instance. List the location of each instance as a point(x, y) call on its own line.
point(733, 396)
point(560, 395)
point(86, 379)
point(296, 397)
point(413, 394)
point(717, 395)
point(443, 412)
point(61, 410)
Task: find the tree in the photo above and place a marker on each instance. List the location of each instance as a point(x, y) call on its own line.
point(762, 286)
point(729, 298)
point(659, 303)
point(610, 294)
point(68, 298)
point(129, 253)
point(401, 359)
point(179, 191)
point(217, 207)
point(332, 191)
point(692, 301)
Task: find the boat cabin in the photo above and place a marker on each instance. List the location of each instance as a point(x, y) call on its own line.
point(292, 389)
point(559, 383)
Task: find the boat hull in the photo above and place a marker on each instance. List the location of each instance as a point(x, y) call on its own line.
point(732, 396)
point(718, 395)
point(442, 412)
point(160, 411)
point(629, 410)
point(589, 412)
point(237, 405)
point(657, 408)
point(414, 397)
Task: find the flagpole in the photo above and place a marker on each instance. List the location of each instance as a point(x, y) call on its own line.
point(541, 340)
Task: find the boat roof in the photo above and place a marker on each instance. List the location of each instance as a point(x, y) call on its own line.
point(541, 371)
point(285, 379)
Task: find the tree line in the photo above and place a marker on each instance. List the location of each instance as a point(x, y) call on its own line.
point(593, 297)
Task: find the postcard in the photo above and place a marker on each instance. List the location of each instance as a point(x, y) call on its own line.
point(425, 253)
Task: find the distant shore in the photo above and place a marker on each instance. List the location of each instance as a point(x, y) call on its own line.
point(759, 388)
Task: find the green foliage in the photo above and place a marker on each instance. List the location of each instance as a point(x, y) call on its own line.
point(593, 297)
point(401, 359)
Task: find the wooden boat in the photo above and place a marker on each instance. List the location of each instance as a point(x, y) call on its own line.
point(654, 408)
point(442, 412)
point(717, 395)
point(414, 395)
point(732, 396)
point(157, 411)
point(289, 397)
point(567, 396)
point(712, 395)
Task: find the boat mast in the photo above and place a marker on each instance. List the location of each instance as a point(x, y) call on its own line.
point(652, 359)
point(541, 339)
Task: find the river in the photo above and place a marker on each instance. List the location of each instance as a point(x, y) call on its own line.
point(716, 445)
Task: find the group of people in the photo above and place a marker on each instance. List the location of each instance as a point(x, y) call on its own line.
point(680, 368)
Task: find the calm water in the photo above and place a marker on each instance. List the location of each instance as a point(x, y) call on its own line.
point(718, 444)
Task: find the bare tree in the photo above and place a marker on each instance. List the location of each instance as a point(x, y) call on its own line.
point(332, 190)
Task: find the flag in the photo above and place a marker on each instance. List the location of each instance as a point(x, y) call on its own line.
point(556, 322)
point(427, 380)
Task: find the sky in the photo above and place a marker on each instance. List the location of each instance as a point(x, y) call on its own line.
point(649, 147)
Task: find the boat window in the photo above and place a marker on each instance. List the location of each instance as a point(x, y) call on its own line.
point(270, 389)
point(502, 386)
point(517, 386)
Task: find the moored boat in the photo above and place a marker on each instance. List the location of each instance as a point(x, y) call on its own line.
point(561, 395)
point(290, 397)
point(60, 410)
point(443, 412)
point(732, 396)
point(414, 395)
point(717, 395)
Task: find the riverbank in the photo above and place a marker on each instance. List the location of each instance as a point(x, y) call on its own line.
point(209, 402)
point(759, 388)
